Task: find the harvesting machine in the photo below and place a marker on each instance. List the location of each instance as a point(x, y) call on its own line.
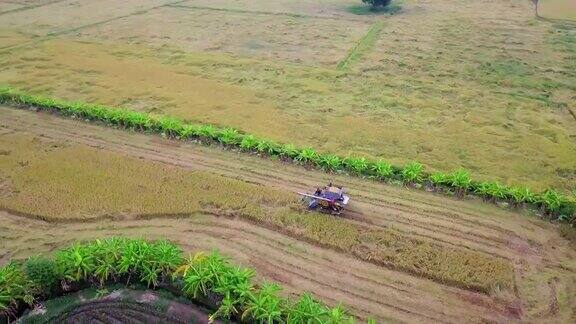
point(330, 199)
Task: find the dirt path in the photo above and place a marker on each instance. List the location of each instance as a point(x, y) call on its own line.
point(530, 244)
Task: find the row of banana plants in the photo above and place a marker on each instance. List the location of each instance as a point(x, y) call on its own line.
point(552, 203)
point(207, 279)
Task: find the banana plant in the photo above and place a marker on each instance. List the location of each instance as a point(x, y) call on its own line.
point(229, 136)
point(189, 131)
point(439, 179)
point(307, 310)
point(551, 201)
point(459, 180)
point(289, 151)
point(356, 165)
point(249, 143)
point(170, 126)
point(382, 169)
point(338, 315)
point(330, 162)
point(522, 195)
point(306, 155)
point(266, 306)
point(413, 172)
point(492, 190)
point(228, 307)
point(268, 147)
point(76, 263)
point(208, 132)
point(14, 286)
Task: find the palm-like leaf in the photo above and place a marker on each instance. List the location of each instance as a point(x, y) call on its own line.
point(229, 136)
point(459, 179)
point(306, 155)
point(330, 162)
point(413, 172)
point(357, 165)
point(249, 142)
point(382, 169)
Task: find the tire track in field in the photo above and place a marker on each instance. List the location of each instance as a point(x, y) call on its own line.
point(422, 220)
point(366, 288)
point(464, 223)
point(23, 8)
point(377, 212)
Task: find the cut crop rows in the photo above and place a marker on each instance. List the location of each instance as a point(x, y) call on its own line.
point(206, 279)
point(552, 203)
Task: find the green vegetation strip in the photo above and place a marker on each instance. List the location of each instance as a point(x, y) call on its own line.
point(362, 47)
point(554, 205)
point(207, 279)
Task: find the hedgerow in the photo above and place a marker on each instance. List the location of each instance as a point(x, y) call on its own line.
point(554, 205)
point(209, 279)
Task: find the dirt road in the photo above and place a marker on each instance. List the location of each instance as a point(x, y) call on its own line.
point(533, 246)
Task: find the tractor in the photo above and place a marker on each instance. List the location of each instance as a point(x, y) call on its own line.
point(330, 199)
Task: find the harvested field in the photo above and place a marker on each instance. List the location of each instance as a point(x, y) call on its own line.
point(557, 9)
point(484, 85)
point(534, 248)
point(451, 84)
point(57, 182)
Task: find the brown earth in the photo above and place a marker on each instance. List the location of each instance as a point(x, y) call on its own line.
point(539, 255)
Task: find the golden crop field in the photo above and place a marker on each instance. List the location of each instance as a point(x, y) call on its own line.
point(486, 86)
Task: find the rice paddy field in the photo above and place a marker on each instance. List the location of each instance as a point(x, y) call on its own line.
point(482, 85)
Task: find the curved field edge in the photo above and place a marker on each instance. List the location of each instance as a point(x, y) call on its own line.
point(69, 183)
point(553, 204)
point(116, 302)
point(206, 279)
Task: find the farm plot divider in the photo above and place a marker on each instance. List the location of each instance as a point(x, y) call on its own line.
point(553, 205)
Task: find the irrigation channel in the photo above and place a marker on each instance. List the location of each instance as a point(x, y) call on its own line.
point(531, 245)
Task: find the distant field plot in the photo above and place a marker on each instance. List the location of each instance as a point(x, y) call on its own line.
point(63, 16)
point(273, 37)
point(15, 5)
point(557, 9)
point(320, 8)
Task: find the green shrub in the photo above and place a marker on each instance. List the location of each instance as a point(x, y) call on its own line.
point(43, 273)
point(14, 287)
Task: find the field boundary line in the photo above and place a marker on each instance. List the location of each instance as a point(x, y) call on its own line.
point(363, 46)
point(52, 35)
point(30, 7)
point(552, 204)
point(102, 22)
point(259, 12)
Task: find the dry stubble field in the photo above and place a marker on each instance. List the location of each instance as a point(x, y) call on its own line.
point(66, 180)
point(451, 83)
